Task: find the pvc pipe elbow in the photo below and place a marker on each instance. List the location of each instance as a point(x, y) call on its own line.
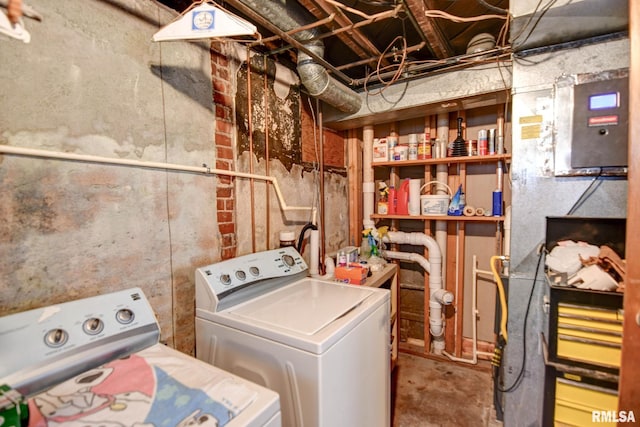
point(329, 265)
point(442, 296)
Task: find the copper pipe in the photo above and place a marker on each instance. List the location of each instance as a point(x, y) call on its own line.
point(266, 145)
point(449, 64)
point(374, 18)
point(252, 15)
point(324, 21)
point(321, 198)
point(250, 128)
point(414, 48)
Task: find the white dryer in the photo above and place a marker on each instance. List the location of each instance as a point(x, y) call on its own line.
point(323, 346)
point(97, 361)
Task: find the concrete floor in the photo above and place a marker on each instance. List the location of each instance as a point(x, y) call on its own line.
point(431, 393)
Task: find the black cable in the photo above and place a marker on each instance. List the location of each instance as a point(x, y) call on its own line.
point(493, 8)
point(583, 197)
point(301, 237)
point(585, 194)
point(545, 9)
point(516, 383)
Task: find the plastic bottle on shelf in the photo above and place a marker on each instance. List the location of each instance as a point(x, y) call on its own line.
point(383, 199)
point(392, 200)
point(402, 205)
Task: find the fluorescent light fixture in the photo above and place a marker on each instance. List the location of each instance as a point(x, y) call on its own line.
point(206, 20)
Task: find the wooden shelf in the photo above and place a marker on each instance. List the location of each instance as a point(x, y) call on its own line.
point(441, 218)
point(445, 160)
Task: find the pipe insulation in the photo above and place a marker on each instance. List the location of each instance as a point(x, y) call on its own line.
point(313, 76)
point(32, 152)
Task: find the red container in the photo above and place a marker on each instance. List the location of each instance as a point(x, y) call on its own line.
point(402, 206)
point(392, 201)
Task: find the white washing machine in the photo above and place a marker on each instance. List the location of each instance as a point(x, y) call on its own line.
point(98, 362)
point(323, 346)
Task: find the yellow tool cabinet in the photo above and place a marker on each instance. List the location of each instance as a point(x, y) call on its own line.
point(584, 339)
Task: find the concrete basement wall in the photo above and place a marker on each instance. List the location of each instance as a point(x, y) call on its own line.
point(92, 82)
point(277, 138)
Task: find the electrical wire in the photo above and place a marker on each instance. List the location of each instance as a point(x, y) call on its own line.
point(167, 197)
point(583, 197)
point(379, 69)
point(404, 66)
point(492, 7)
point(434, 13)
point(543, 12)
point(516, 383)
point(586, 193)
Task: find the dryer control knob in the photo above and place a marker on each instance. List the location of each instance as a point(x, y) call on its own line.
point(93, 326)
point(225, 279)
point(125, 316)
point(56, 338)
point(288, 260)
point(255, 271)
point(241, 275)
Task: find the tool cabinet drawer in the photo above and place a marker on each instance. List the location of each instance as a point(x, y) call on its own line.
point(577, 401)
point(589, 334)
point(585, 328)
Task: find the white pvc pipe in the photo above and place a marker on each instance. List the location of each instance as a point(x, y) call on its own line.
point(31, 152)
point(314, 257)
point(437, 295)
point(329, 268)
point(474, 312)
point(442, 175)
point(407, 256)
point(368, 185)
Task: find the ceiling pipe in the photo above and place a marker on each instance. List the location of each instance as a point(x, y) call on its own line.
point(313, 72)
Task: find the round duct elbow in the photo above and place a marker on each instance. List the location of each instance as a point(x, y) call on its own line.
point(321, 85)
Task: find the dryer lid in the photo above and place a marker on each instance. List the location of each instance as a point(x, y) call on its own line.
point(304, 307)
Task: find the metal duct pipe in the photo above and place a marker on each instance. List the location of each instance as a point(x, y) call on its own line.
point(313, 76)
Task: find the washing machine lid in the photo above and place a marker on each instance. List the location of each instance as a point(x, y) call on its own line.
point(303, 308)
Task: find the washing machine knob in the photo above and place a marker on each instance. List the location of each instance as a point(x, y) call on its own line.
point(241, 275)
point(288, 259)
point(125, 316)
point(93, 326)
point(56, 338)
point(225, 279)
point(254, 271)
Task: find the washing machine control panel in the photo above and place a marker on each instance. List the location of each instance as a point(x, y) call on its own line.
point(73, 336)
point(225, 276)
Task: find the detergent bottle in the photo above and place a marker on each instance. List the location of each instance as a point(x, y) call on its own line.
point(402, 207)
point(392, 201)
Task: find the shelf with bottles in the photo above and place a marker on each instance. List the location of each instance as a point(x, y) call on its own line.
point(445, 160)
point(440, 217)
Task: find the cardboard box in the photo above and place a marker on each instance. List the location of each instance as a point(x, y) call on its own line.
point(354, 273)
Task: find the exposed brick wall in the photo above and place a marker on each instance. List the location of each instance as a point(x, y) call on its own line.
point(223, 103)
